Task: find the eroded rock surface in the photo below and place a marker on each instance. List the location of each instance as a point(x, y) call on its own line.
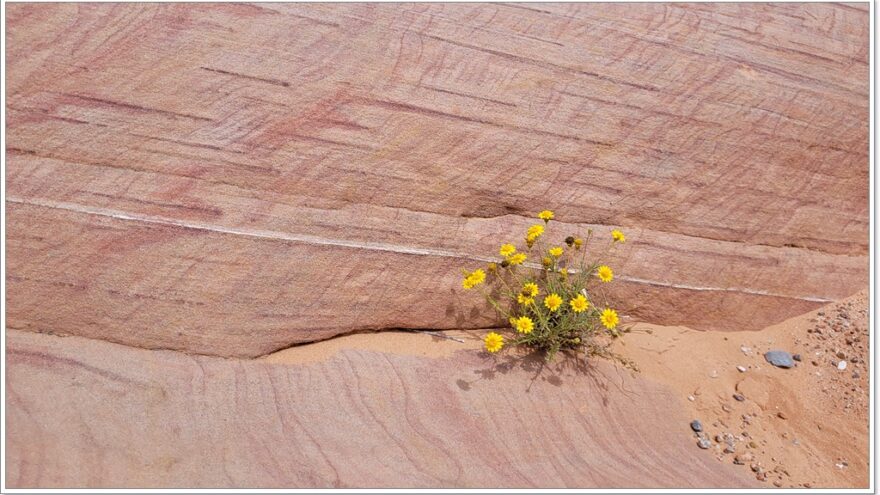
point(83, 413)
point(232, 179)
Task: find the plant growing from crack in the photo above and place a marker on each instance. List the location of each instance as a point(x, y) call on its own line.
point(552, 305)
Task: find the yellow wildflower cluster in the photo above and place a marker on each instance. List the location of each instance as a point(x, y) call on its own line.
point(551, 304)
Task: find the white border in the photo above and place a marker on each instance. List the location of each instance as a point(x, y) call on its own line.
point(871, 320)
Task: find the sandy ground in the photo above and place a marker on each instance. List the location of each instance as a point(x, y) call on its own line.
point(805, 426)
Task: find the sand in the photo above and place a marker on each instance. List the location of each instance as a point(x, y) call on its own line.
point(801, 427)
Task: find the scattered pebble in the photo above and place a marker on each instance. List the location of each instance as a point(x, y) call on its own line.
point(741, 369)
point(691, 398)
point(796, 357)
point(745, 350)
point(841, 365)
point(713, 374)
point(704, 443)
point(696, 425)
point(780, 359)
point(781, 415)
point(739, 397)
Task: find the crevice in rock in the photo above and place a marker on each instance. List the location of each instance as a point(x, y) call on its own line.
point(427, 331)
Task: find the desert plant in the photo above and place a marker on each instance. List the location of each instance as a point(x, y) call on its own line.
point(556, 303)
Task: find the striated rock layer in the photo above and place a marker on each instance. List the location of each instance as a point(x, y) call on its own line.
point(231, 179)
point(83, 413)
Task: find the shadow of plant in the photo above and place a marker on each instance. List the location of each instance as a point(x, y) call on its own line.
point(568, 364)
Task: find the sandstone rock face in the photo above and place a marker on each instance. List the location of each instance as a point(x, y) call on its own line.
point(207, 184)
point(232, 179)
point(83, 413)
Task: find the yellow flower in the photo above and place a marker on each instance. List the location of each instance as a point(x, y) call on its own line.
point(578, 243)
point(546, 215)
point(609, 318)
point(530, 289)
point(512, 321)
point(534, 232)
point(524, 300)
point(605, 273)
point(492, 267)
point(553, 301)
point(618, 236)
point(507, 250)
point(547, 262)
point(579, 304)
point(474, 278)
point(555, 252)
point(494, 342)
point(524, 324)
point(517, 259)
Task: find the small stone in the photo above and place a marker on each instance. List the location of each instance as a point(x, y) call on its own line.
point(761, 476)
point(719, 438)
point(741, 369)
point(704, 443)
point(729, 449)
point(753, 445)
point(796, 357)
point(856, 374)
point(841, 365)
point(739, 397)
point(696, 425)
point(780, 359)
point(726, 408)
point(781, 415)
point(777, 484)
point(691, 398)
point(713, 374)
point(745, 350)
point(841, 354)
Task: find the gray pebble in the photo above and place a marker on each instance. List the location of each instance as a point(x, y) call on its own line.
point(780, 359)
point(696, 425)
point(704, 444)
point(739, 397)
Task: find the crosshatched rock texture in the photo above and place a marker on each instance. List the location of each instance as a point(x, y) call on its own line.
point(228, 180)
point(232, 179)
